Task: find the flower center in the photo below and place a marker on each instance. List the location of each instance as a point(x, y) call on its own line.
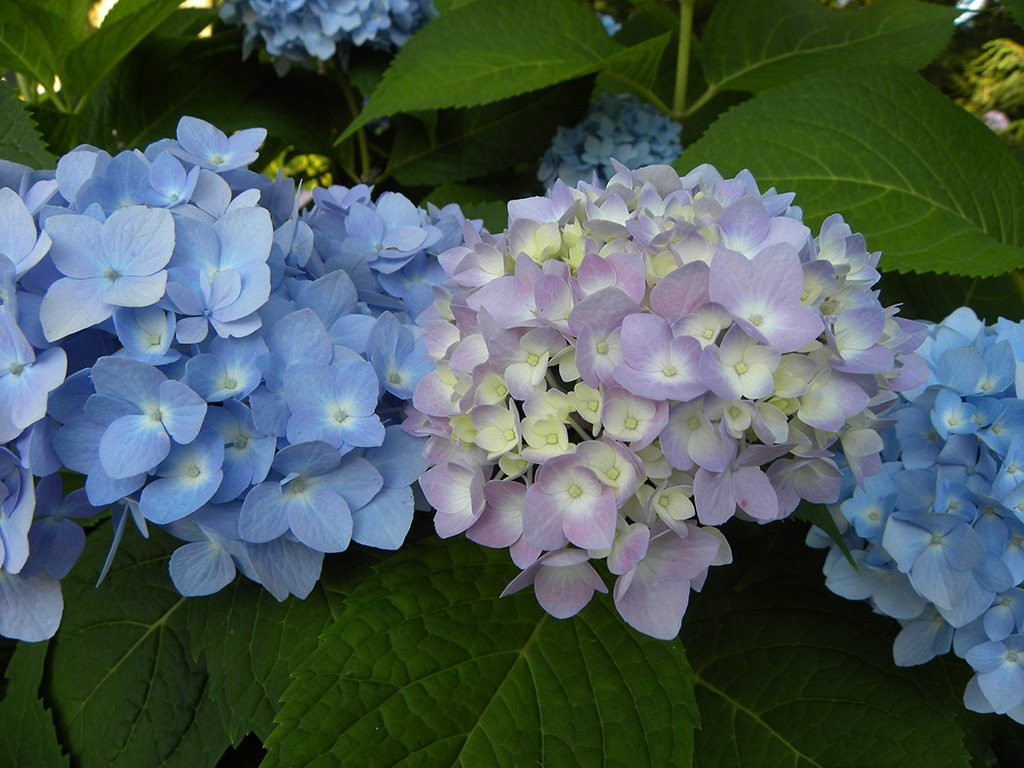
point(631, 423)
point(575, 491)
point(602, 347)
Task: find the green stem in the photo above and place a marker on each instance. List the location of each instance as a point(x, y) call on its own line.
point(28, 90)
point(1017, 279)
point(683, 56)
point(353, 105)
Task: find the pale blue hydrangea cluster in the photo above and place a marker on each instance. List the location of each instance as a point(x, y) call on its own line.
point(616, 126)
point(938, 534)
point(629, 366)
point(211, 360)
point(302, 29)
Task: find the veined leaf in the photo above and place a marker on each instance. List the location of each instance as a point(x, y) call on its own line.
point(19, 139)
point(427, 667)
point(753, 45)
point(124, 690)
point(93, 60)
point(490, 50)
point(792, 676)
point(251, 643)
point(924, 181)
point(32, 41)
point(28, 737)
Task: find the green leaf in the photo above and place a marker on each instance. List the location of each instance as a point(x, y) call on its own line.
point(477, 140)
point(637, 66)
point(32, 40)
point(427, 667)
point(123, 687)
point(792, 676)
point(93, 60)
point(490, 50)
point(927, 296)
point(1016, 10)
point(923, 180)
point(205, 78)
point(753, 45)
point(28, 736)
point(251, 643)
point(20, 141)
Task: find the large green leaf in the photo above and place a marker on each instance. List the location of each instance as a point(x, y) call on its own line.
point(19, 139)
point(33, 40)
point(427, 667)
point(130, 21)
point(251, 643)
point(474, 141)
point(122, 685)
point(792, 676)
point(753, 45)
point(28, 737)
point(926, 182)
point(490, 50)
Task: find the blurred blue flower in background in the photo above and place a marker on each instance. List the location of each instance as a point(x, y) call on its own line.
point(616, 127)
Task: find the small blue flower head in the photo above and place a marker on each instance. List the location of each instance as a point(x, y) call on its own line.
point(203, 145)
point(119, 263)
point(615, 126)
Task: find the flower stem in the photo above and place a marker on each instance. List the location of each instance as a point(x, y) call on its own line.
point(683, 56)
point(353, 105)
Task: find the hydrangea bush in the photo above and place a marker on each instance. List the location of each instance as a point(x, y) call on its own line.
point(628, 366)
point(936, 538)
point(209, 370)
point(210, 360)
point(616, 126)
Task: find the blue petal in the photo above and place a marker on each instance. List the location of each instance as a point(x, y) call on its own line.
point(385, 521)
point(201, 568)
point(285, 567)
point(30, 609)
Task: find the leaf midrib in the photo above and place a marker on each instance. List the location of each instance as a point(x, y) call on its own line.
point(512, 667)
point(159, 623)
point(737, 706)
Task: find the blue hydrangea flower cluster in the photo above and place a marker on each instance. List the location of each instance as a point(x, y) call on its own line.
point(938, 534)
point(302, 29)
point(616, 126)
point(212, 361)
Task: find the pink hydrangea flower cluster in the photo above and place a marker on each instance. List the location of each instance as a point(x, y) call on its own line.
point(625, 368)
